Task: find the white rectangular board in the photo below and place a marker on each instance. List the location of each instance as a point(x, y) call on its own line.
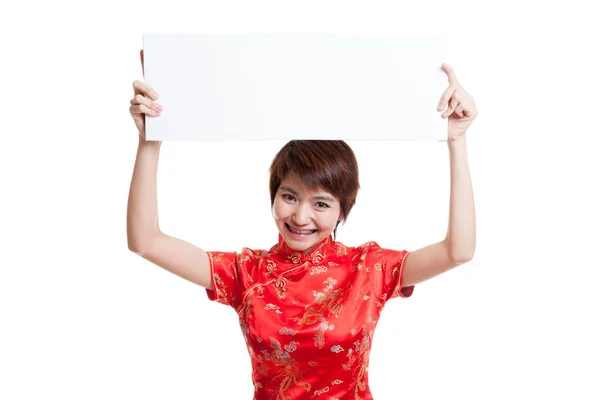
point(295, 86)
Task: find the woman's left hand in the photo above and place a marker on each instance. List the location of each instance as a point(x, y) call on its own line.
point(461, 109)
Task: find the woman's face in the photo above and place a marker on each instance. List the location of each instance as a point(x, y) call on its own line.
point(304, 218)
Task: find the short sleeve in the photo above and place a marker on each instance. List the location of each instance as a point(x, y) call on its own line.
point(386, 269)
point(224, 272)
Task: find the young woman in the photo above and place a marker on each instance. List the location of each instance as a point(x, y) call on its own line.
point(308, 306)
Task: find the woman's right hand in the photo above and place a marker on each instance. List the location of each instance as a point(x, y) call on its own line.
point(142, 103)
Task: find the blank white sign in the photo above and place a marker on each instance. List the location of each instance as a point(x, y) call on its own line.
point(295, 86)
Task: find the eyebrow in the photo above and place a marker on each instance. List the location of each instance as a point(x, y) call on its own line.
point(318, 197)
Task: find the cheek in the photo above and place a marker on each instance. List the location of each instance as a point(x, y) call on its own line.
point(332, 219)
point(279, 210)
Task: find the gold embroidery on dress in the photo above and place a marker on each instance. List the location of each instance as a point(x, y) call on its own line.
point(246, 308)
point(295, 257)
point(317, 257)
point(273, 307)
point(379, 306)
point(340, 250)
point(271, 268)
point(287, 368)
point(220, 287)
point(393, 274)
point(363, 257)
point(361, 293)
point(330, 300)
point(320, 391)
point(217, 257)
point(361, 353)
point(320, 336)
point(318, 270)
point(221, 290)
point(262, 367)
point(280, 283)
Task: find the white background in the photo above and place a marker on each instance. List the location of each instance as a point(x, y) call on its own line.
point(81, 317)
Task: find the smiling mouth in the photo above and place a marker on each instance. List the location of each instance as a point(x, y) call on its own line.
point(303, 232)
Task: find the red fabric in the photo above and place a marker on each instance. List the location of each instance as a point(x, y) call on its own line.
point(308, 320)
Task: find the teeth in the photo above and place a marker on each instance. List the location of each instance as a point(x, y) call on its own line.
point(301, 232)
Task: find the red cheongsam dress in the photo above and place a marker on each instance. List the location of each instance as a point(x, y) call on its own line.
point(308, 320)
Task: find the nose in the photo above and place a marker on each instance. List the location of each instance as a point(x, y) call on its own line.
point(302, 214)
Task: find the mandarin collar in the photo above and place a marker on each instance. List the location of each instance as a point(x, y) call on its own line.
point(316, 255)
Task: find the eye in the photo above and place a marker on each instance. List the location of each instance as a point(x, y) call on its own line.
point(322, 205)
point(288, 197)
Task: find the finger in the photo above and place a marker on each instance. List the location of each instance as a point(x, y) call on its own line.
point(142, 60)
point(139, 99)
point(445, 98)
point(451, 107)
point(143, 109)
point(454, 102)
point(451, 75)
point(462, 95)
point(465, 101)
point(143, 88)
point(459, 110)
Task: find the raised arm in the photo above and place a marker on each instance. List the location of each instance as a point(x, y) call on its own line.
point(458, 246)
point(144, 236)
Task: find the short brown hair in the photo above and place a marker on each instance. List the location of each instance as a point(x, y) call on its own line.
point(320, 165)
